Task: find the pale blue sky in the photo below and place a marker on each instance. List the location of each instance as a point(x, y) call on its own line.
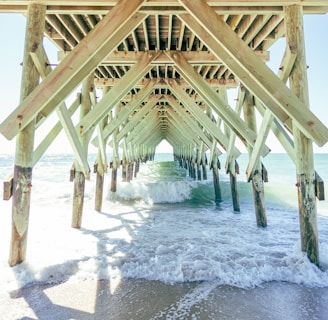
point(12, 31)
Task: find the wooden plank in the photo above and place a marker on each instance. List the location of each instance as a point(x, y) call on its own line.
point(102, 157)
point(53, 133)
point(238, 57)
point(230, 161)
point(74, 140)
point(193, 57)
point(215, 83)
point(41, 61)
point(86, 5)
point(268, 117)
point(280, 132)
point(215, 102)
point(84, 58)
point(319, 187)
point(225, 8)
point(8, 187)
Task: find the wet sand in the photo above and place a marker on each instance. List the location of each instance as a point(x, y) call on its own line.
point(141, 300)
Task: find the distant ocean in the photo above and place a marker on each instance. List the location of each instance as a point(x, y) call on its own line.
point(164, 226)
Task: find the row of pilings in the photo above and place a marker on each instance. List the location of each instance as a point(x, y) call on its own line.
point(197, 171)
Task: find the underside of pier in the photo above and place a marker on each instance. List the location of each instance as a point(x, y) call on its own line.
point(156, 70)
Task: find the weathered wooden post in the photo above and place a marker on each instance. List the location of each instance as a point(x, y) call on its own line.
point(231, 164)
point(216, 178)
point(129, 171)
point(99, 183)
point(115, 164)
point(79, 178)
point(198, 162)
point(136, 167)
point(124, 165)
point(233, 171)
point(113, 185)
point(204, 162)
point(101, 169)
point(257, 182)
point(303, 146)
point(25, 140)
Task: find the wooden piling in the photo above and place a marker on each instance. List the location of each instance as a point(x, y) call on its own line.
point(79, 179)
point(99, 191)
point(78, 199)
point(216, 179)
point(113, 185)
point(22, 183)
point(233, 171)
point(204, 162)
point(124, 171)
point(303, 146)
point(100, 177)
point(257, 182)
point(129, 175)
point(136, 168)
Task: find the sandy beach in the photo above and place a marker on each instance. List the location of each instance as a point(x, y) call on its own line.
point(141, 300)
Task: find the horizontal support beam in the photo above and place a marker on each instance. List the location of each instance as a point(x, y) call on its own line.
point(165, 7)
point(215, 83)
point(127, 58)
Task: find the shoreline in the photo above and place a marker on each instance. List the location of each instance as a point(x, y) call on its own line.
point(143, 299)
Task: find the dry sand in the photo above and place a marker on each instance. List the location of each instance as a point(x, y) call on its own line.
point(141, 300)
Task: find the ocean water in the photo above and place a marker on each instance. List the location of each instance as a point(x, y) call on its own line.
point(164, 226)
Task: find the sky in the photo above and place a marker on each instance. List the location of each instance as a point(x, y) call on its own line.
point(12, 32)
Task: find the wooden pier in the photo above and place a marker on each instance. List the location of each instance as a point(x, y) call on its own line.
point(163, 69)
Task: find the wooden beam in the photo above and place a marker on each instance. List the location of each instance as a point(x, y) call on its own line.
point(158, 6)
point(256, 76)
point(79, 151)
point(117, 93)
point(215, 102)
point(189, 120)
point(190, 105)
point(102, 157)
point(83, 59)
point(215, 83)
point(8, 186)
point(268, 117)
point(319, 187)
point(230, 160)
point(40, 61)
point(127, 58)
point(262, 135)
point(137, 117)
point(186, 130)
point(182, 130)
point(141, 132)
point(129, 108)
point(53, 133)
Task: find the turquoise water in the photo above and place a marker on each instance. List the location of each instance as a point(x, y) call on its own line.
point(165, 226)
